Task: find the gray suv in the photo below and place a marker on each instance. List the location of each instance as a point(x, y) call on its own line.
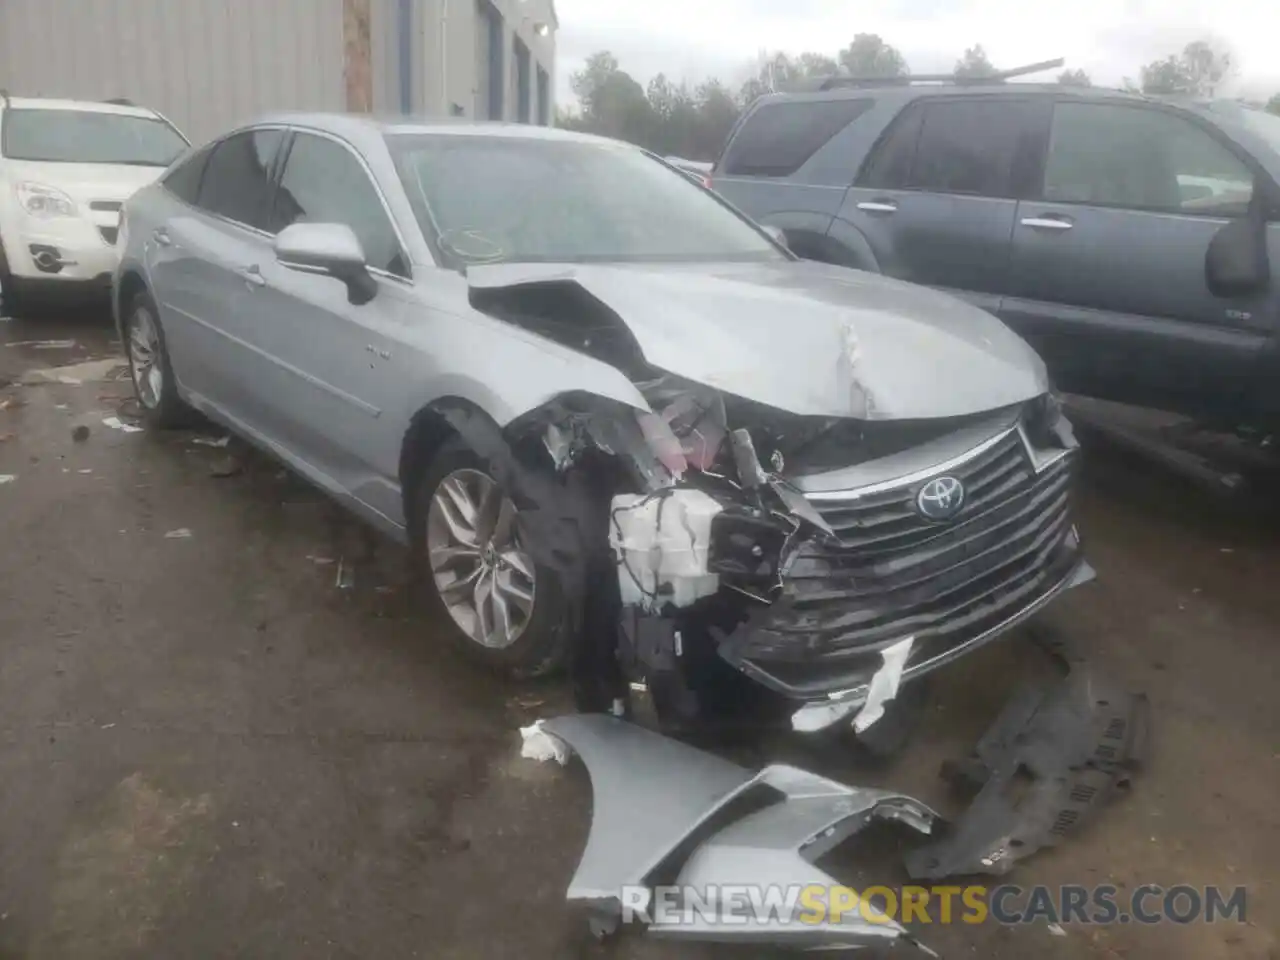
point(1130, 240)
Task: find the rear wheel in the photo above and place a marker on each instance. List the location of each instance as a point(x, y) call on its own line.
point(12, 303)
point(149, 366)
point(498, 604)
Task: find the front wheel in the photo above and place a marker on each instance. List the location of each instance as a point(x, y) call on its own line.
point(499, 605)
point(149, 366)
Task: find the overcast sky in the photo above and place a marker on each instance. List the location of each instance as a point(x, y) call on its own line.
point(1110, 39)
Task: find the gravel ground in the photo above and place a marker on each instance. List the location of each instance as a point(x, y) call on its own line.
point(209, 747)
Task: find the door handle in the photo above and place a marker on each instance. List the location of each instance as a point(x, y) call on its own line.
point(1046, 223)
point(161, 236)
point(878, 206)
point(253, 276)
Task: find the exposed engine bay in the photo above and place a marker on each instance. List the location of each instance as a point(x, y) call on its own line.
point(722, 532)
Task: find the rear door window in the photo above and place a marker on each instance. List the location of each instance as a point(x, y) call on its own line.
point(183, 181)
point(778, 138)
point(1114, 155)
point(976, 146)
point(237, 177)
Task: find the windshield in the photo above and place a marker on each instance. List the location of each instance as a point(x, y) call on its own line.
point(1265, 125)
point(490, 199)
point(83, 136)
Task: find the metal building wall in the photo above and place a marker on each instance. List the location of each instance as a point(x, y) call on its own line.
point(205, 64)
point(211, 64)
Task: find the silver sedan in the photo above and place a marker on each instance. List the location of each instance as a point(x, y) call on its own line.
point(579, 383)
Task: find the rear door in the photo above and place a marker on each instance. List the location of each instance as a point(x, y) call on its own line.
point(761, 172)
point(1108, 269)
point(200, 264)
point(937, 196)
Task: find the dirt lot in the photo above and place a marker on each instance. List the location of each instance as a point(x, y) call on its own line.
point(209, 748)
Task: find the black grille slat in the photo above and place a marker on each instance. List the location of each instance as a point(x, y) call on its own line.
point(894, 622)
point(1030, 537)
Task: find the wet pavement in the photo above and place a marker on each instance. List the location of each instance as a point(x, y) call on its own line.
point(226, 730)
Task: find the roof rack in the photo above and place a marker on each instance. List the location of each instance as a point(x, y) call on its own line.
point(121, 102)
point(837, 82)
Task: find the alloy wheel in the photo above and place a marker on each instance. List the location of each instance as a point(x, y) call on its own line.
point(481, 571)
point(144, 357)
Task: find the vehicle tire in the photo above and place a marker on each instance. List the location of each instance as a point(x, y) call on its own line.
point(149, 367)
point(12, 303)
point(502, 608)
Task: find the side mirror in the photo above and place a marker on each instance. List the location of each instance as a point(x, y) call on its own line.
point(778, 236)
point(329, 249)
point(1237, 264)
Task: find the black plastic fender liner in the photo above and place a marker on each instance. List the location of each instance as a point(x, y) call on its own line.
point(1051, 760)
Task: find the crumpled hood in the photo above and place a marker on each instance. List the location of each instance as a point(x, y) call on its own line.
point(805, 337)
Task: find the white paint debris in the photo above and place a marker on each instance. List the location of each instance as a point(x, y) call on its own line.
point(115, 423)
point(210, 442)
point(6, 478)
point(539, 745)
point(182, 533)
point(44, 344)
point(91, 371)
point(318, 560)
point(884, 685)
point(85, 470)
point(1056, 930)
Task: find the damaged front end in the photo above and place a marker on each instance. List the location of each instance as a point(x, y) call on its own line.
point(828, 559)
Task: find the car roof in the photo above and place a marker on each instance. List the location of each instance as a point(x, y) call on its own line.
point(357, 125)
point(910, 91)
point(85, 106)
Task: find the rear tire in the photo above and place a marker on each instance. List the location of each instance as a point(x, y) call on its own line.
point(149, 366)
point(12, 302)
point(493, 560)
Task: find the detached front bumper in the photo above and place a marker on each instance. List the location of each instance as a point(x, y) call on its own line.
point(898, 593)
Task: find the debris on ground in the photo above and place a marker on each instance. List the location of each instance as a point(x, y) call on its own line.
point(11, 403)
point(666, 813)
point(345, 578)
point(1056, 930)
point(91, 371)
point(1052, 758)
point(537, 744)
point(115, 423)
point(226, 467)
point(45, 344)
point(211, 441)
point(7, 478)
point(80, 433)
point(182, 533)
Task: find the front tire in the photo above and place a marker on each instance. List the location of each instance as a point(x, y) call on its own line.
point(497, 603)
point(149, 366)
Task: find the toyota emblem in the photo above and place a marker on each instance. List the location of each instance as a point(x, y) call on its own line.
point(940, 499)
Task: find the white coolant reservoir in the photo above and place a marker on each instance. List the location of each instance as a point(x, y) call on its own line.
point(660, 541)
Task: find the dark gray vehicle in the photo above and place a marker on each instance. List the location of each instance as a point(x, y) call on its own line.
point(1130, 240)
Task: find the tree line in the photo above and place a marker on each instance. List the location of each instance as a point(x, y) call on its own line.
point(694, 122)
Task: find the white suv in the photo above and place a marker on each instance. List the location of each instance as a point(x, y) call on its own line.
point(66, 168)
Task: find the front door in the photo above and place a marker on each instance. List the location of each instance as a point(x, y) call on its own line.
point(1107, 278)
point(937, 197)
point(334, 366)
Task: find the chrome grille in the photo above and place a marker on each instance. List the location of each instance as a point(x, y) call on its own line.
point(895, 574)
